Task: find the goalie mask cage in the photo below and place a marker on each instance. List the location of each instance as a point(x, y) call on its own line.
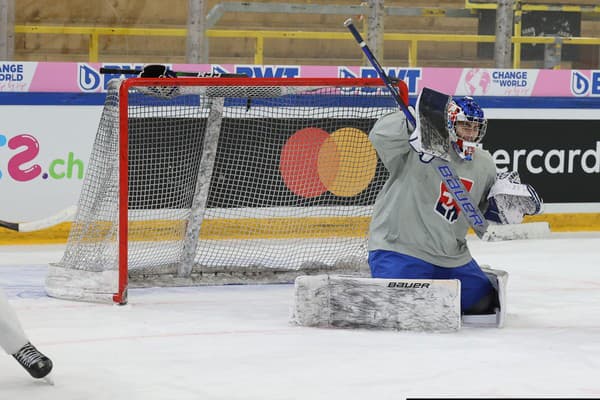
point(197, 181)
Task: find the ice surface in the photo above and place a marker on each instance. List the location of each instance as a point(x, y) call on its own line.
point(235, 342)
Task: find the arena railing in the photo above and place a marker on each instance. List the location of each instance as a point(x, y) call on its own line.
point(592, 11)
point(413, 39)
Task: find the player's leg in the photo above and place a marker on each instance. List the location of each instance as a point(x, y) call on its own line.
point(14, 341)
point(499, 280)
point(35, 362)
point(483, 293)
point(482, 290)
point(392, 265)
point(478, 296)
point(12, 336)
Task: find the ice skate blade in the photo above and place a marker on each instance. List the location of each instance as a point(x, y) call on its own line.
point(49, 379)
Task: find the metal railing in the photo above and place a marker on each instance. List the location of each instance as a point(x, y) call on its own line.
point(413, 39)
point(523, 6)
point(591, 12)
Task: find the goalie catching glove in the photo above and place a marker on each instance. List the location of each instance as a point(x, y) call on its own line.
point(158, 71)
point(509, 200)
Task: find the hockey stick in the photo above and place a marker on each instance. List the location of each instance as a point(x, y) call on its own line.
point(461, 195)
point(61, 216)
point(125, 71)
point(449, 177)
point(388, 82)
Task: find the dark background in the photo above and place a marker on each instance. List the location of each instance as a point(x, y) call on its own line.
point(535, 23)
point(246, 171)
point(546, 135)
point(247, 162)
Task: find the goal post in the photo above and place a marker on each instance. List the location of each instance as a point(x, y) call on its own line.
point(196, 181)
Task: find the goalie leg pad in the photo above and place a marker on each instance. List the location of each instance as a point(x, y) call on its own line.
point(387, 304)
point(499, 280)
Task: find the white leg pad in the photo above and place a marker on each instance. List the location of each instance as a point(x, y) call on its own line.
point(391, 304)
point(499, 280)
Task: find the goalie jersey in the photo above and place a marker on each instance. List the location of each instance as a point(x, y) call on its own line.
point(414, 213)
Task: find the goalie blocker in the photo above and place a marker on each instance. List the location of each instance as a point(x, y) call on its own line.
point(327, 301)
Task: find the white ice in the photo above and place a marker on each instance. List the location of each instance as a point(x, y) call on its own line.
point(235, 342)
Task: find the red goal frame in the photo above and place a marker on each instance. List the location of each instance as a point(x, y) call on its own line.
point(121, 296)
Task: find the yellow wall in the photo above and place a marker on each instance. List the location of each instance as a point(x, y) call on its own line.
point(281, 228)
point(173, 14)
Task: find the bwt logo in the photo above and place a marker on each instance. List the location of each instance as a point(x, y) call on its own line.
point(581, 85)
point(268, 71)
point(90, 80)
point(26, 148)
point(410, 76)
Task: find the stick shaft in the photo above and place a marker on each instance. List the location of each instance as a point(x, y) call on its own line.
point(460, 194)
point(125, 71)
point(61, 216)
point(380, 71)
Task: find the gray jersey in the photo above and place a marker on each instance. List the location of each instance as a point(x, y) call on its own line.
point(413, 213)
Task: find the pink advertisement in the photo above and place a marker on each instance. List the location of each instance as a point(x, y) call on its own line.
point(86, 77)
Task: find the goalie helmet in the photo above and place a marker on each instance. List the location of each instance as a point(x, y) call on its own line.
point(466, 125)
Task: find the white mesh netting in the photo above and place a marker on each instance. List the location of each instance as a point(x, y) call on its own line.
point(226, 185)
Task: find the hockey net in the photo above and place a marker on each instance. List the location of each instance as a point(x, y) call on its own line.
point(197, 181)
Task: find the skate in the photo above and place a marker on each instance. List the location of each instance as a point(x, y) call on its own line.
point(37, 364)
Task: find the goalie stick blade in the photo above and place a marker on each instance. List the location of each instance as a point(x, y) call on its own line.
point(530, 230)
point(61, 216)
point(49, 379)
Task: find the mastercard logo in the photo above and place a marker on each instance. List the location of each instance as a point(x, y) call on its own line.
point(314, 162)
